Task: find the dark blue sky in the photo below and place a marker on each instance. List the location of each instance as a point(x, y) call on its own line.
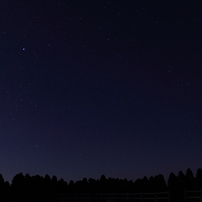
point(100, 87)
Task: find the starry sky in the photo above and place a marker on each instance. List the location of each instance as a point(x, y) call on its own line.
point(100, 87)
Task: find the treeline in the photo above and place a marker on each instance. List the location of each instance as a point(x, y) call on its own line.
point(26, 187)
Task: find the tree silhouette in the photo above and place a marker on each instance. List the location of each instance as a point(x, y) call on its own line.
point(85, 185)
point(61, 186)
point(6, 191)
point(145, 185)
point(189, 180)
point(199, 178)
point(18, 187)
point(37, 188)
point(181, 179)
point(124, 186)
point(1, 185)
point(111, 185)
point(160, 183)
point(47, 184)
point(138, 185)
point(130, 186)
point(72, 187)
point(92, 185)
point(4, 188)
point(103, 184)
point(172, 181)
point(54, 184)
point(172, 186)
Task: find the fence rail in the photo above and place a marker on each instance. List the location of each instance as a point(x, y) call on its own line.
point(115, 197)
point(195, 195)
point(188, 196)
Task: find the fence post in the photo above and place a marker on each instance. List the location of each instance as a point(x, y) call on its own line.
point(156, 197)
point(88, 196)
point(185, 198)
point(168, 196)
point(201, 193)
point(63, 197)
point(141, 197)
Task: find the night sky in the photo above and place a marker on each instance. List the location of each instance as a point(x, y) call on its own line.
point(100, 87)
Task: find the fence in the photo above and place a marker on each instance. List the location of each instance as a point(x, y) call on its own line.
point(115, 197)
point(188, 196)
point(195, 195)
